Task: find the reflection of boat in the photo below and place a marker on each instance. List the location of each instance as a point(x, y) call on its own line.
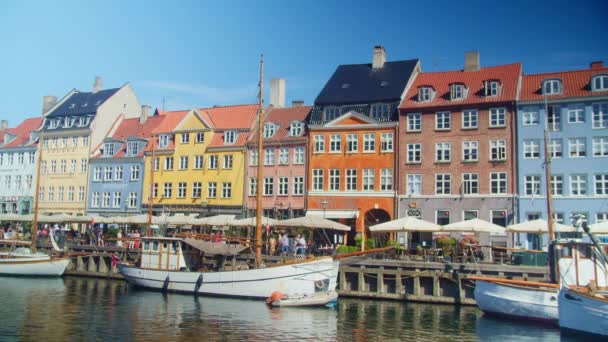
point(489, 328)
point(23, 262)
point(328, 298)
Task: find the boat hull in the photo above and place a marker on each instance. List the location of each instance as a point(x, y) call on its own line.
point(298, 278)
point(582, 313)
point(319, 299)
point(521, 302)
point(33, 266)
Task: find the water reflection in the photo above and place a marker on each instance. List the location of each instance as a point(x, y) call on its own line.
point(74, 309)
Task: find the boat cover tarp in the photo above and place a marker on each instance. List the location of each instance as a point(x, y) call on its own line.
point(216, 248)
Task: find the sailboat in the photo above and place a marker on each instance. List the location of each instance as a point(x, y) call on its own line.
point(164, 265)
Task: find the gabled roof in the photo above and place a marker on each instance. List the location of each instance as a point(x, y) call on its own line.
point(218, 140)
point(81, 103)
point(21, 133)
point(507, 75)
point(576, 83)
point(170, 122)
point(360, 83)
point(283, 117)
point(231, 117)
point(131, 128)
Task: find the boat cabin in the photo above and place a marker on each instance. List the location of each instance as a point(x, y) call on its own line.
point(162, 253)
point(578, 264)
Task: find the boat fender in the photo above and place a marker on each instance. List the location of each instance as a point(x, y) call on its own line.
point(319, 284)
point(166, 284)
point(198, 284)
point(274, 296)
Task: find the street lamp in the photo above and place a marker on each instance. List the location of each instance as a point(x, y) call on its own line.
point(324, 204)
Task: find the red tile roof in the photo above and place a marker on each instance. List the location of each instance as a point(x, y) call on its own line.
point(283, 118)
point(132, 128)
point(218, 140)
point(576, 83)
point(170, 122)
point(22, 132)
point(232, 117)
point(508, 75)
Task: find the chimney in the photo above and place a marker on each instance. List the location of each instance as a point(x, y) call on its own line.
point(597, 65)
point(97, 85)
point(47, 103)
point(3, 124)
point(379, 57)
point(471, 61)
point(277, 92)
point(145, 113)
point(297, 103)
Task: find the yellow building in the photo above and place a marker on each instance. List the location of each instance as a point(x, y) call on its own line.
point(198, 164)
point(72, 128)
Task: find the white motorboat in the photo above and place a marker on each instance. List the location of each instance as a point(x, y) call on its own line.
point(22, 262)
point(583, 311)
point(278, 299)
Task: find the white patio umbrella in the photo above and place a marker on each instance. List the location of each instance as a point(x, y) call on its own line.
point(218, 220)
point(251, 222)
point(473, 226)
point(180, 219)
point(11, 217)
point(406, 224)
point(312, 222)
point(58, 218)
point(599, 228)
point(538, 226)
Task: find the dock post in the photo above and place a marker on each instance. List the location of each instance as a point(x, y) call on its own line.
point(436, 284)
point(343, 281)
point(103, 267)
point(380, 281)
point(361, 282)
point(398, 284)
point(416, 283)
point(91, 266)
point(80, 265)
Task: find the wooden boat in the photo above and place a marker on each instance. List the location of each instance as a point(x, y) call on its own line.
point(278, 299)
point(22, 261)
point(583, 311)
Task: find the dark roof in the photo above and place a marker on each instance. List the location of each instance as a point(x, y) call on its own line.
point(316, 115)
point(359, 83)
point(82, 103)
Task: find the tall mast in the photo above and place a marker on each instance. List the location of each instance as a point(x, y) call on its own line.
point(151, 204)
point(37, 192)
point(258, 218)
point(548, 176)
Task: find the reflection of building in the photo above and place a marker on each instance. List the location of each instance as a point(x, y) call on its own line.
point(456, 145)
point(577, 120)
point(352, 142)
point(18, 158)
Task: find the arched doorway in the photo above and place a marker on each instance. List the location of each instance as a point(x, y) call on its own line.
point(373, 217)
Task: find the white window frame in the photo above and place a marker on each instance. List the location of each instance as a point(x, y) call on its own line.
point(368, 182)
point(498, 150)
point(334, 180)
point(269, 156)
point(530, 117)
point(317, 179)
point(227, 162)
point(230, 137)
point(350, 180)
point(213, 163)
point(386, 179)
point(183, 162)
point(468, 147)
point(298, 186)
point(425, 94)
point(498, 117)
point(284, 156)
point(557, 185)
point(135, 172)
point(386, 142)
point(600, 184)
point(185, 138)
point(414, 122)
point(576, 114)
point(577, 148)
point(531, 149)
point(532, 186)
point(268, 189)
point(283, 186)
point(470, 119)
point(380, 111)
point(470, 183)
point(552, 87)
point(331, 113)
point(319, 143)
point(599, 83)
point(298, 155)
point(443, 121)
point(441, 180)
point(352, 143)
point(269, 130)
point(414, 153)
point(600, 147)
point(226, 189)
point(296, 128)
point(599, 116)
point(498, 183)
point(335, 143)
point(443, 152)
point(211, 189)
point(578, 185)
point(556, 148)
point(369, 142)
point(163, 140)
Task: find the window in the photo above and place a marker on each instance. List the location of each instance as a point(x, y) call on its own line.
point(414, 153)
point(492, 88)
point(470, 214)
point(21, 158)
point(85, 141)
point(73, 166)
point(600, 147)
point(211, 189)
point(424, 94)
point(183, 163)
point(351, 180)
point(226, 190)
point(369, 142)
point(414, 122)
point(552, 87)
point(197, 191)
point(600, 115)
point(317, 179)
point(155, 190)
point(443, 217)
point(182, 189)
point(499, 217)
point(168, 163)
point(470, 119)
point(108, 149)
point(601, 184)
point(163, 141)
point(18, 184)
point(227, 161)
point(134, 172)
point(298, 155)
point(576, 114)
point(369, 179)
point(470, 183)
point(42, 165)
point(253, 158)
point(7, 182)
point(283, 186)
point(212, 165)
point(81, 194)
point(386, 179)
point(498, 182)
point(198, 162)
point(116, 200)
point(578, 185)
point(53, 165)
point(334, 179)
point(558, 218)
point(335, 143)
point(253, 186)
point(269, 130)
point(498, 117)
point(51, 193)
point(94, 200)
point(230, 137)
point(531, 149)
point(443, 152)
point(200, 137)
point(386, 142)
point(28, 182)
point(156, 163)
point(319, 143)
point(443, 184)
point(168, 190)
point(298, 186)
point(97, 174)
point(105, 200)
point(296, 128)
point(498, 150)
point(352, 143)
point(117, 173)
point(284, 156)
point(532, 185)
point(132, 200)
point(380, 111)
point(269, 156)
point(63, 166)
point(107, 173)
point(457, 91)
point(555, 148)
point(32, 158)
point(577, 148)
point(470, 150)
point(268, 186)
point(554, 118)
point(185, 138)
point(599, 83)
point(330, 113)
point(442, 121)
point(557, 185)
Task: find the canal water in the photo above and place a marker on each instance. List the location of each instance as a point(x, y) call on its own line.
point(83, 309)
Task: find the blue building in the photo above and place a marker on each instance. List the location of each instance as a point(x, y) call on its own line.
point(117, 167)
point(574, 106)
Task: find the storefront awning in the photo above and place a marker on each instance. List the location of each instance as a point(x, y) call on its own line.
point(333, 213)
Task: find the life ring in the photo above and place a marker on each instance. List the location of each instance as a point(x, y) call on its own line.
point(320, 284)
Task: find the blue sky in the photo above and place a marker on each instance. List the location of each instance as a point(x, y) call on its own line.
point(202, 53)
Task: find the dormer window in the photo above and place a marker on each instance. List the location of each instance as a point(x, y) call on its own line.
point(73, 105)
point(425, 94)
point(552, 87)
point(52, 123)
point(269, 130)
point(457, 91)
point(83, 121)
point(132, 148)
point(108, 149)
point(296, 128)
point(330, 113)
point(163, 140)
point(492, 88)
point(379, 111)
point(68, 122)
point(599, 83)
point(230, 137)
